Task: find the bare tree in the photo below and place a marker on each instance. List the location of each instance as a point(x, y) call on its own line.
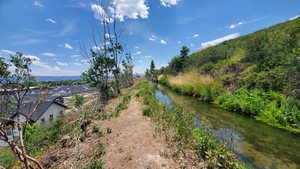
point(106, 55)
point(14, 87)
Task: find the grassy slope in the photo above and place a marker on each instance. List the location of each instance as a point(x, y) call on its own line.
point(257, 75)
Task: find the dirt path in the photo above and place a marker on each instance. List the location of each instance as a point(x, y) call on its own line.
point(132, 143)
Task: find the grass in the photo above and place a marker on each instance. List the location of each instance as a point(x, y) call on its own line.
point(7, 159)
point(204, 87)
point(180, 130)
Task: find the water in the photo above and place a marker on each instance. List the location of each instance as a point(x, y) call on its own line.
point(56, 78)
point(255, 143)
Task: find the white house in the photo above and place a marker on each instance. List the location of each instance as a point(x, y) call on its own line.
point(37, 113)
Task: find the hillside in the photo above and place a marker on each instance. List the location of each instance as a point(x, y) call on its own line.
point(256, 75)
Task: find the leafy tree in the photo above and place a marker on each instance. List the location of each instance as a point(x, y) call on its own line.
point(153, 72)
point(14, 87)
point(184, 52)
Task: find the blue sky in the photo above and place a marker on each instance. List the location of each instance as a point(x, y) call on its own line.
point(50, 31)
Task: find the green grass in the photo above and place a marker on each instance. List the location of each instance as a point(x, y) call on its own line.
point(7, 158)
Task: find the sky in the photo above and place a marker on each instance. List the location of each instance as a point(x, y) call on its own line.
point(52, 31)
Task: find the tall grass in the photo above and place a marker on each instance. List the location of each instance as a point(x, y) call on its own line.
point(195, 84)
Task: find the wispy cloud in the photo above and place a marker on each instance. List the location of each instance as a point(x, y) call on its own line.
point(51, 20)
point(195, 35)
point(69, 27)
point(163, 42)
point(28, 42)
point(148, 56)
point(138, 53)
point(7, 52)
point(152, 38)
point(169, 3)
point(62, 63)
point(68, 46)
point(295, 17)
point(48, 54)
point(233, 26)
point(179, 42)
point(38, 4)
point(219, 40)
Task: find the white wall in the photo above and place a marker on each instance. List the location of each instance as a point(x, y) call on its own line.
point(54, 110)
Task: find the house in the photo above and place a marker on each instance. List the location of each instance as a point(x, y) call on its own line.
point(42, 113)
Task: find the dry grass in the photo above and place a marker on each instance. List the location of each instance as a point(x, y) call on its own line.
point(191, 78)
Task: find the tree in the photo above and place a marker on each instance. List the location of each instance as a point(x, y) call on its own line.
point(100, 70)
point(184, 52)
point(153, 72)
point(127, 74)
point(14, 87)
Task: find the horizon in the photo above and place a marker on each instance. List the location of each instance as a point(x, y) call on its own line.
point(50, 32)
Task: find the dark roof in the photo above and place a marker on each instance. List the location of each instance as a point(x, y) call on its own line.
point(41, 108)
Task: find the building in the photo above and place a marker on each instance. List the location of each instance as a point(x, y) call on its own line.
point(42, 113)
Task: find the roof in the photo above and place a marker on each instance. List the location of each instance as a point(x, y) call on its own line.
point(28, 108)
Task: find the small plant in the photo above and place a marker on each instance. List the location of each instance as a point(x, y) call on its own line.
point(95, 164)
point(108, 130)
point(101, 151)
point(96, 129)
point(147, 111)
point(79, 100)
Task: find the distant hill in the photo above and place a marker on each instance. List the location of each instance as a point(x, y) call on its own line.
point(56, 78)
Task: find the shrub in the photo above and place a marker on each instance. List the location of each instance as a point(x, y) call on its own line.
point(95, 164)
point(79, 100)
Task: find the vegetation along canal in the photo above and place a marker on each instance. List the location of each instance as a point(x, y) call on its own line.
point(255, 143)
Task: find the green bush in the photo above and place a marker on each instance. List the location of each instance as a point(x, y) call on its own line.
point(79, 100)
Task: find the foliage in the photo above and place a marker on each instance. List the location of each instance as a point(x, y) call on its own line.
point(95, 164)
point(38, 138)
point(101, 151)
point(79, 101)
point(270, 107)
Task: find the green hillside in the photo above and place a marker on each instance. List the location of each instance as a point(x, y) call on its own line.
point(256, 75)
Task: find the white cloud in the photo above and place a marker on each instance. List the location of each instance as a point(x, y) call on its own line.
point(75, 56)
point(179, 42)
point(163, 42)
point(99, 12)
point(38, 4)
point(232, 26)
point(152, 38)
point(168, 3)
point(138, 53)
point(48, 54)
point(295, 17)
point(51, 20)
point(106, 36)
point(132, 9)
point(68, 46)
point(7, 52)
point(195, 35)
point(77, 64)
point(97, 48)
point(192, 45)
point(148, 56)
point(219, 40)
point(62, 63)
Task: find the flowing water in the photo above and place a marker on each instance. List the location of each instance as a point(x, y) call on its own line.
point(255, 143)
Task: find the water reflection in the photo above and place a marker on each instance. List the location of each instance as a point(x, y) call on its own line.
point(255, 143)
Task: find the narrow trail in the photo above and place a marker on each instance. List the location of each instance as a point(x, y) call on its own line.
point(132, 143)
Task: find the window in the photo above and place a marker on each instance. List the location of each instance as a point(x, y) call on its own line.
point(51, 117)
point(43, 120)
